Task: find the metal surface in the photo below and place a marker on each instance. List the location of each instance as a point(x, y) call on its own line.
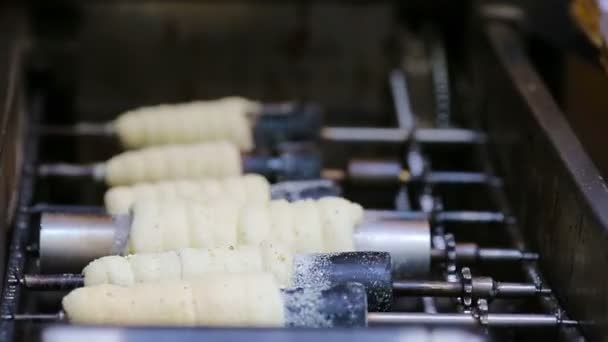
point(11, 293)
point(365, 134)
point(400, 135)
point(376, 170)
point(408, 242)
point(491, 320)
point(401, 99)
point(557, 193)
point(70, 242)
point(483, 287)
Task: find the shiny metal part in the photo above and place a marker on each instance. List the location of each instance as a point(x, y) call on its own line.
point(400, 135)
point(365, 134)
point(401, 99)
point(466, 253)
point(408, 242)
point(376, 170)
point(94, 171)
point(52, 282)
point(70, 242)
point(79, 129)
point(464, 319)
point(449, 136)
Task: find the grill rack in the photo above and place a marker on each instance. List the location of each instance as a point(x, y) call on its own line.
point(22, 231)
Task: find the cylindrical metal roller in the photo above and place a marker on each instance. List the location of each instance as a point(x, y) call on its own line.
point(70, 242)
point(343, 305)
point(408, 242)
point(371, 269)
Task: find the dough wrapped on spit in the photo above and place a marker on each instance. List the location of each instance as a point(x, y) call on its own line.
point(324, 225)
point(172, 162)
point(247, 188)
point(226, 119)
point(244, 299)
point(191, 264)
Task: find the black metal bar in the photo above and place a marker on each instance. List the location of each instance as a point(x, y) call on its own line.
point(21, 229)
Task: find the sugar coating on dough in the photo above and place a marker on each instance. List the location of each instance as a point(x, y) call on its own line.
point(199, 121)
point(173, 162)
point(245, 299)
point(250, 188)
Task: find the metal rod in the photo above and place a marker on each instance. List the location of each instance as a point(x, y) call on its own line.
point(456, 177)
point(365, 134)
point(471, 217)
point(70, 170)
point(401, 99)
point(54, 317)
point(455, 289)
point(400, 135)
point(505, 254)
point(510, 290)
point(79, 129)
point(464, 319)
point(471, 252)
point(51, 282)
point(64, 208)
point(449, 136)
point(427, 288)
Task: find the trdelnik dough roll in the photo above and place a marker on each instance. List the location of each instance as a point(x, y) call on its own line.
point(247, 188)
point(198, 121)
point(191, 264)
point(172, 162)
point(243, 299)
point(324, 225)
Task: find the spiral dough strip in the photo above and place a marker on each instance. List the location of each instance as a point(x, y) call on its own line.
point(198, 121)
point(248, 188)
point(172, 162)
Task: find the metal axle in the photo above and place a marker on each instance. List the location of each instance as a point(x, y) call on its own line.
point(465, 319)
point(401, 135)
point(403, 318)
point(482, 287)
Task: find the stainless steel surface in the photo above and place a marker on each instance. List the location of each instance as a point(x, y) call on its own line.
point(491, 320)
point(408, 242)
point(482, 287)
point(401, 99)
point(70, 242)
point(376, 170)
point(365, 134)
point(449, 136)
point(66, 281)
point(94, 171)
point(400, 135)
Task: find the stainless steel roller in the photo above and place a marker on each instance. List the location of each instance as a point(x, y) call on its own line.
point(68, 242)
